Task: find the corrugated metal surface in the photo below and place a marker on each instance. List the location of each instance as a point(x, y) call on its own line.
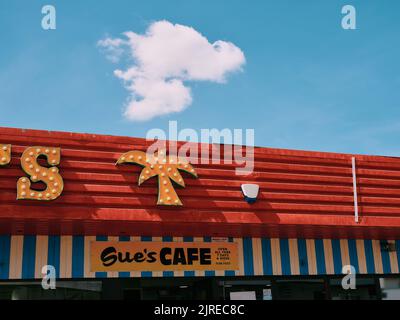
point(306, 194)
point(257, 256)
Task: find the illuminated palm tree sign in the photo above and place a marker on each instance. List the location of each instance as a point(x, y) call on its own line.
point(165, 167)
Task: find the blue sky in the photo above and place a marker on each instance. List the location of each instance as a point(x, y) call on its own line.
point(307, 83)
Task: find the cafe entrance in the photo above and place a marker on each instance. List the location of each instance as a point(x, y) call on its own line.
point(205, 288)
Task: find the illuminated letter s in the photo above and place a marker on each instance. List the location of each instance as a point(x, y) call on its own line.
point(5, 154)
point(49, 176)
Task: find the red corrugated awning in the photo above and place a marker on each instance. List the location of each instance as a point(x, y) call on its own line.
point(302, 194)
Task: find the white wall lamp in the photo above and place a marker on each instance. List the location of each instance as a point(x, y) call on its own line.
point(250, 192)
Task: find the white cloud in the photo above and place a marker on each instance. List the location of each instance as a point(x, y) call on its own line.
point(113, 48)
point(164, 58)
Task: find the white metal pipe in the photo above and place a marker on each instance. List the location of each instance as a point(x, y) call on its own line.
point(353, 167)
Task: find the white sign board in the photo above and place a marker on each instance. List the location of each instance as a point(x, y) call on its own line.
point(243, 295)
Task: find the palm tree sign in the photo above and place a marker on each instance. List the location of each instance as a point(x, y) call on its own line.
point(165, 167)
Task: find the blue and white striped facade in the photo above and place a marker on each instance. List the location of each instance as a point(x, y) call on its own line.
point(22, 257)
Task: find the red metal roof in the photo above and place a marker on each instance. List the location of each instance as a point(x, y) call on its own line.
point(302, 194)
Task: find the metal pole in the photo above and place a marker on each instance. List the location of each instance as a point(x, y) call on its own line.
point(353, 166)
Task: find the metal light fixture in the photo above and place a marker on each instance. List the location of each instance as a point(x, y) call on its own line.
point(250, 192)
point(388, 245)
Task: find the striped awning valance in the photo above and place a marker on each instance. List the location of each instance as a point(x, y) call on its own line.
point(22, 257)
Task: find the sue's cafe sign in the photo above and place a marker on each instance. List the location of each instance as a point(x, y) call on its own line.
point(162, 256)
